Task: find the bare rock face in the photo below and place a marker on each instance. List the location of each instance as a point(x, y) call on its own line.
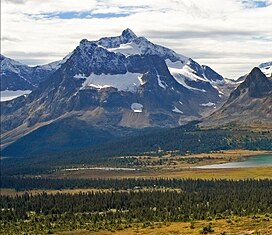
point(250, 103)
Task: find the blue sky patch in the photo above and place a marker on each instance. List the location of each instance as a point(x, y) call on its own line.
point(255, 4)
point(77, 15)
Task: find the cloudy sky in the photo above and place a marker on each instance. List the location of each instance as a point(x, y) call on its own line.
point(232, 36)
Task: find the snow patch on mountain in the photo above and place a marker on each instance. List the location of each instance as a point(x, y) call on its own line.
point(189, 70)
point(208, 104)
point(183, 69)
point(123, 82)
point(10, 95)
point(127, 49)
point(181, 79)
point(220, 91)
point(161, 84)
point(142, 82)
point(176, 110)
point(137, 107)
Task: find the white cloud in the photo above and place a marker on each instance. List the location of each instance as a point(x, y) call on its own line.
point(225, 34)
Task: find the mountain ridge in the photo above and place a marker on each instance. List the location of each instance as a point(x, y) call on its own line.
point(169, 88)
point(18, 76)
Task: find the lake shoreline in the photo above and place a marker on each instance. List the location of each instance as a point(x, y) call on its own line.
point(259, 160)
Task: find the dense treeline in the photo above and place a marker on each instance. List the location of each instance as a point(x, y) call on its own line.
point(27, 183)
point(185, 139)
point(196, 199)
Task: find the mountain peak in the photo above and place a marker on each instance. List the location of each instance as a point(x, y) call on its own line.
point(255, 70)
point(128, 34)
point(255, 77)
point(256, 84)
point(249, 103)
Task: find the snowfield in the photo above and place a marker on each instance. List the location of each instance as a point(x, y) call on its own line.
point(127, 49)
point(123, 82)
point(10, 95)
point(137, 108)
point(176, 110)
point(208, 104)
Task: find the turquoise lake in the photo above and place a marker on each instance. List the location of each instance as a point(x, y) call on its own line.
point(261, 160)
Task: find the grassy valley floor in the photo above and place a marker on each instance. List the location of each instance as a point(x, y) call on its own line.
point(261, 225)
point(236, 174)
point(170, 166)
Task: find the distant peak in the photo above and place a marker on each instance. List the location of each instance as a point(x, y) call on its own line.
point(256, 82)
point(129, 34)
point(254, 77)
point(255, 70)
point(2, 57)
point(83, 41)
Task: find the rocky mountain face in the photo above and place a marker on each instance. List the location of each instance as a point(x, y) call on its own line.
point(117, 82)
point(17, 76)
point(250, 103)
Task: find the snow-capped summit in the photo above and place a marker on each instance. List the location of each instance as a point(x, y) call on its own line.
point(111, 55)
point(129, 44)
point(127, 47)
point(127, 36)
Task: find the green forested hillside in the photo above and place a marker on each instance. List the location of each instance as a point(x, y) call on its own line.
point(187, 201)
point(183, 140)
